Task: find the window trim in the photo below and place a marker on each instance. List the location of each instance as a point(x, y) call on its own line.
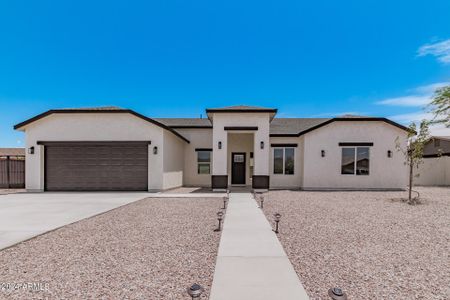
point(284, 160)
point(203, 163)
point(355, 161)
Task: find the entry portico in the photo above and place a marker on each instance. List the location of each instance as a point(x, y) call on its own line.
point(234, 129)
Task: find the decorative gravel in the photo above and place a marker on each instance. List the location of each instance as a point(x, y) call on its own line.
point(150, 249)
point(371, 246)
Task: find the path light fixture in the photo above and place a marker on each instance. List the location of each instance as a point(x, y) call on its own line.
point(277, 220)
point(224, 202)
point(219, 218)
point(337, 294)
point(261, 198)
point(195, 291)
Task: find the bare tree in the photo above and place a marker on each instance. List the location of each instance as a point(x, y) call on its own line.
point(414, 152)
point(440, 106)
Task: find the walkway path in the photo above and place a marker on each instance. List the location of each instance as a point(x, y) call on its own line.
point(251, 263)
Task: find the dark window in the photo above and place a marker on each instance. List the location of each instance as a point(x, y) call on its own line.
point(355, 161)
point(283, 161)
point(348, 161)
point(278, 161)
point(203, 162)
point(289, 161)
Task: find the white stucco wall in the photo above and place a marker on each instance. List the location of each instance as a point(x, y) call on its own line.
point(261, 156)
point(278, 181)
point(92, 127)
point(199, 138)
point(173, 160)
point(434, 171)
point(325, 172)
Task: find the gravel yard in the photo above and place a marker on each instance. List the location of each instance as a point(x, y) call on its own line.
point(150, 249)
point(365, 243)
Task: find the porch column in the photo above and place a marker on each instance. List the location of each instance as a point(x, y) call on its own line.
point(261, 156)
point(219, 178)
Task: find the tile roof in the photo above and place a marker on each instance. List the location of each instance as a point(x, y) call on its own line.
point(185, 122)
point(294, 125)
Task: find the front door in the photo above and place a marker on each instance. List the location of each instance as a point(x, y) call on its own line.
point(237, 168)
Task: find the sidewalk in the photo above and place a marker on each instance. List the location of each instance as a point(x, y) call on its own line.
point(251, 263)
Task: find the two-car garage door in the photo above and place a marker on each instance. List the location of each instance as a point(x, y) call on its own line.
point(96, 166)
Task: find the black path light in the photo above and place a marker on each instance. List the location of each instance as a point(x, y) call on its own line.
point(277, 220)
point(337, 294)
point(261, 198)
point(225, 199)
point(195, 291)
point(219, 218)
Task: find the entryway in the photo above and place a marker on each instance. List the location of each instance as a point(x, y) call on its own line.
point(238, 168)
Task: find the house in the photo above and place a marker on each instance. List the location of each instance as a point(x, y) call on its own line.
point(435, 169)
point(110, 148)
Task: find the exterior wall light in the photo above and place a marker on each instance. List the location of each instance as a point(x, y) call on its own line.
point(322, 153)
point(219, 145)
point(31, 150)
point(219, 218)
point(277, 220)
point(389, 153)
point(261, 145)
point(155, 150)
point(337, 294)
point(195, 291)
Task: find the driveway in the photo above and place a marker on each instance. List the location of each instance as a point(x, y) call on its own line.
point(23, 216)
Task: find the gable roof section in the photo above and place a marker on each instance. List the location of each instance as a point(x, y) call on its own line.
point(105, 109)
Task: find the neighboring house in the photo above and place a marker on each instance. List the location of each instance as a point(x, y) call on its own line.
point(12, 168)
point(435, 169)
point(111, 148)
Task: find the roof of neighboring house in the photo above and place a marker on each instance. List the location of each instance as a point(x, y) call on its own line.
point(436, 146)
point(12, 151)
point(241, 108)
point(103, 109)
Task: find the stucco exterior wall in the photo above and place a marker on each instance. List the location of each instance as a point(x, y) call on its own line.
point(173, 153)
point(91, 127)
point(199, 138)
point(261, 156)
point(278, 181)
point(434, 171)
point(325, 172)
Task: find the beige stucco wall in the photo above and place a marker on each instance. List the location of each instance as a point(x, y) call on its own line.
point(173, 160)
point(199, 138)
point(261, 156)
point(325, 172)
point(93, 127)
point(434, 171)
point(278, 181)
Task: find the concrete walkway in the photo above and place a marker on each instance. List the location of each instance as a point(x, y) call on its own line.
point(251, 263)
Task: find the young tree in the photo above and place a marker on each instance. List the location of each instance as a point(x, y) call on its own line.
point(440, 106)
point(414, 152)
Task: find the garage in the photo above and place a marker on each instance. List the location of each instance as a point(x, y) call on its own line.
point(95, 166)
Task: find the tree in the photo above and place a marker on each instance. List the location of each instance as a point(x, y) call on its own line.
point(440, 106)
point(414, 152)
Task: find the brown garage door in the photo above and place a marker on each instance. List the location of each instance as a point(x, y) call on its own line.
point(109, 166)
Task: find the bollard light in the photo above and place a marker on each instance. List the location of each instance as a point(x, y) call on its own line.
point(261, 197)
point(277, 217)
point(224, 203)
point(195, 291)
point(337, 294)
point(219, 218)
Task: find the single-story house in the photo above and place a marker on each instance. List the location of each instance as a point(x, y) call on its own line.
point(110, 148)
point(435, 168)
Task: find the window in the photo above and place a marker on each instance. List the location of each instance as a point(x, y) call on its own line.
point(283, 161)
point(203, 162)
point(355, 160)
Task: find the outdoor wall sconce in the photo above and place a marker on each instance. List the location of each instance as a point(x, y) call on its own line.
point(261, 145)
point(31, 150)
point(277, 220)
point(195, 291)
point(337, 294)
point(322, 153)
point(389, 153)
point(219, 218)
point(155, 150)
point(219, 145)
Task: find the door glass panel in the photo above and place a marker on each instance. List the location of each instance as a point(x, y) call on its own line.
point(238, 158)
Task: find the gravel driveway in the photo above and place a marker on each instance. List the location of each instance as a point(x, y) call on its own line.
point(150, 249)
point(367, 244)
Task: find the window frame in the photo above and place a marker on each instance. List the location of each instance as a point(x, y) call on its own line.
point(284, 160)
point(355, 160)
point(203, 163)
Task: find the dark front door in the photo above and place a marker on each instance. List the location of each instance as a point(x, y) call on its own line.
point(237, 168)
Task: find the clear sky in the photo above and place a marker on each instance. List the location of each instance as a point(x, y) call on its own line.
point(175, 58)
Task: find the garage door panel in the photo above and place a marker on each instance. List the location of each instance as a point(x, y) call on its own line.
point(96, 167)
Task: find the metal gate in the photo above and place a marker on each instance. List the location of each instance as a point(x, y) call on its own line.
point(12, 172)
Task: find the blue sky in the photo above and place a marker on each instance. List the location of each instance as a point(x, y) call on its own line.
point(175, 58)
